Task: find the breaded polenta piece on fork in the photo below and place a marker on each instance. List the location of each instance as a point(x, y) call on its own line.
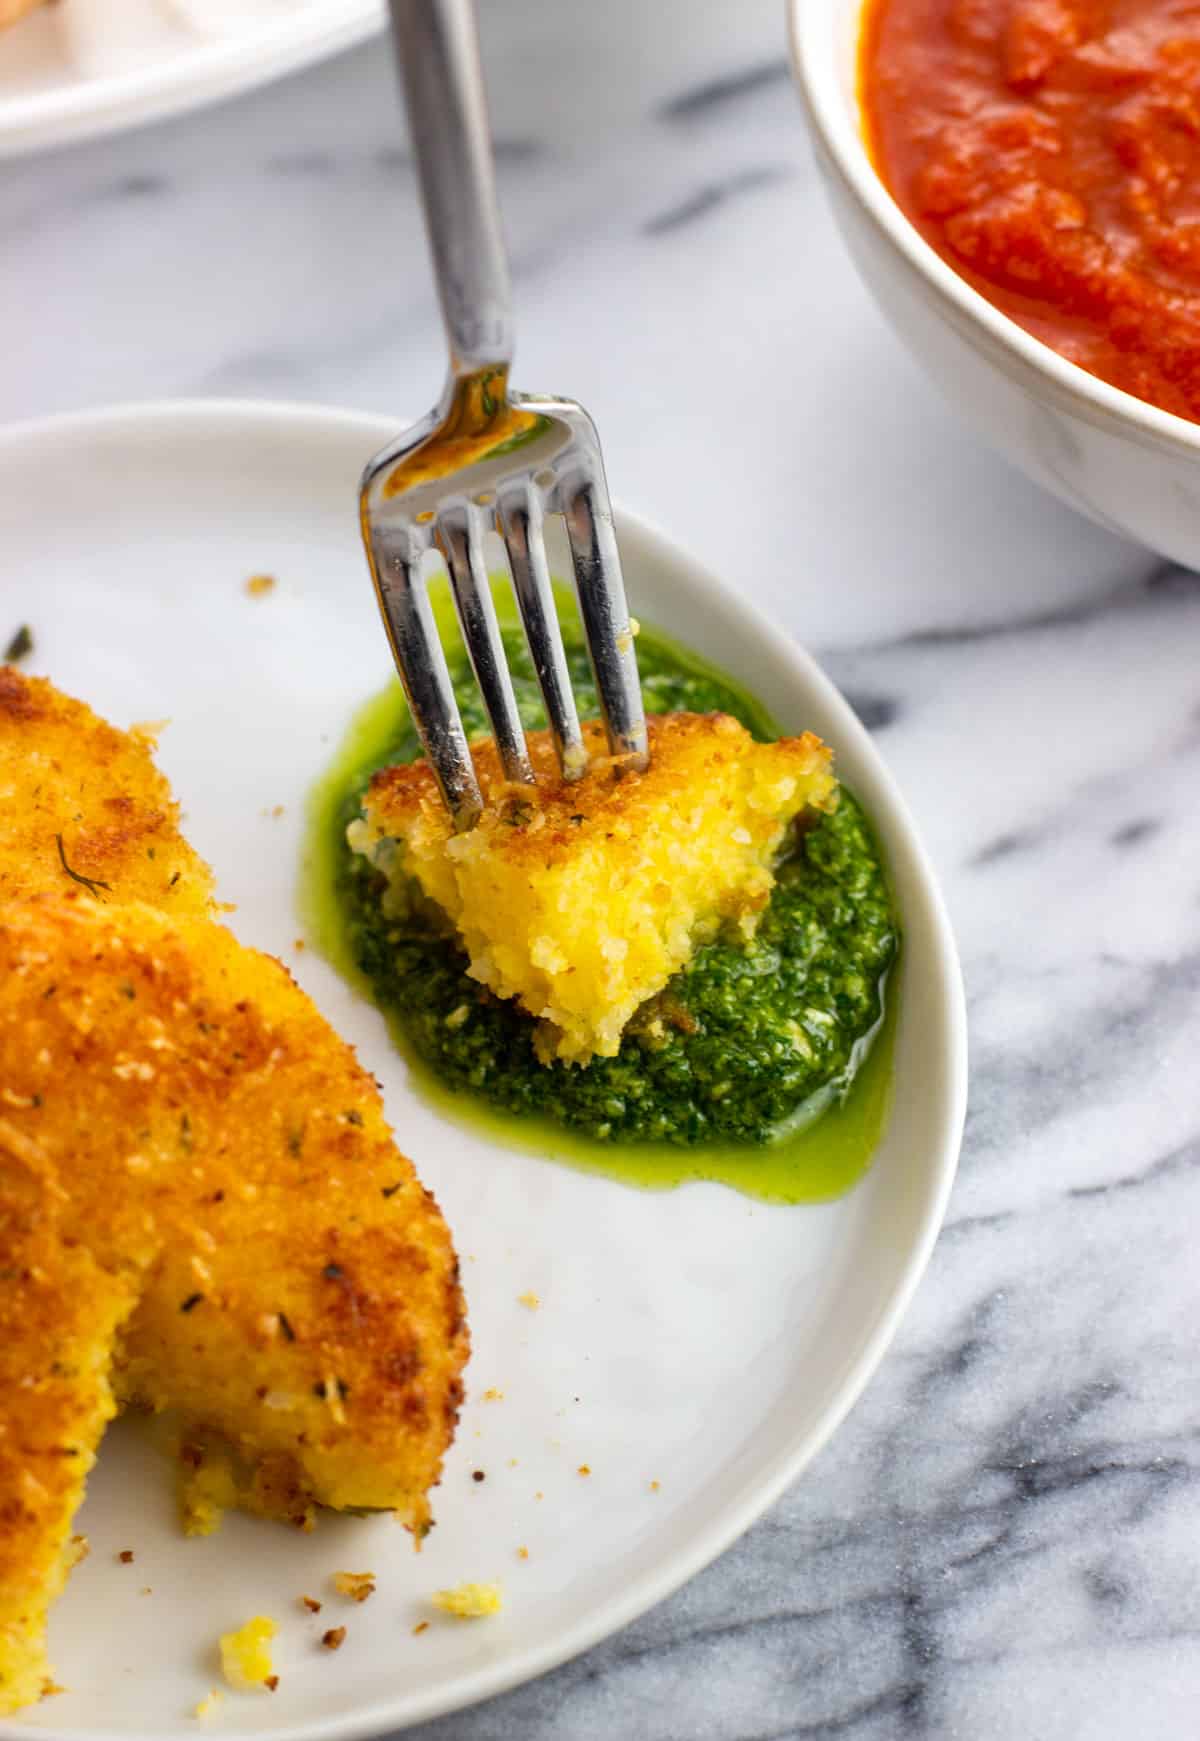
point(581, 899)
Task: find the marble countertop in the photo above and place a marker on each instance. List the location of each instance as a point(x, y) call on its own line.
point(1002, 1542)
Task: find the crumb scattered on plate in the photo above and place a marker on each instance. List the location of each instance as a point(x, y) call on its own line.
point(420, 1627)
point(334, 1638)
point(311, 1603)
point(529, 1299)
point(259, 585)
point(469, 1601)
point(522, 1553)
point(357, 1585)
point(126, 1556)
point(491, 1394)
point(654, 1486)
point(584, 1469)
point(19, 647)
point(208, 1705)
point(246, 1653)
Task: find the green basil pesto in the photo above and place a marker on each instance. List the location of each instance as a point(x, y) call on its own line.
point(770, 1066)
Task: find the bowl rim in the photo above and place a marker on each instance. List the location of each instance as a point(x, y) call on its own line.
point(159, 422)
point(837, 126)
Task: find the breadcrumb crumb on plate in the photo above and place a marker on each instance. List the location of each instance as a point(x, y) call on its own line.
point(246, 1654)
point(357, 1585)
point(469, 1601)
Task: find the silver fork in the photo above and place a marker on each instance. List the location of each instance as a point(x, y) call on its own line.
point(487, 458)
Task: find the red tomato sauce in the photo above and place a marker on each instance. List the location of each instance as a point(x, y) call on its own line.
point(1050, 151)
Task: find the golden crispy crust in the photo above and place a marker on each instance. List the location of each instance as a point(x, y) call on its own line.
point(59, 1313)
point(64, 772)
point(570, 812)
point(173, 1109)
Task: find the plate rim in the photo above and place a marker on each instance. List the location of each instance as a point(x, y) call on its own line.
point(746, 1506)
point(69, 113)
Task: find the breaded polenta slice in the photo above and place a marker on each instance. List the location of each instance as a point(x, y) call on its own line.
point(202, 1208)
point(581, 899)
point(78, 796)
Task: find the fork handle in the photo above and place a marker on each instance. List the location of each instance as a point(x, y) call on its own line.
point(437, 45)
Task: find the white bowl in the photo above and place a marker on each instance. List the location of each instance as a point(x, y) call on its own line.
point(692, 1337)
point(1124, 463)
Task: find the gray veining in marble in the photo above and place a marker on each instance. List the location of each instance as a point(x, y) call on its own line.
point(1002, 1543)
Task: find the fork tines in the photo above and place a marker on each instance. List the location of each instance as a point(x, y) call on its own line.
point(553, 465)
point(520, 517)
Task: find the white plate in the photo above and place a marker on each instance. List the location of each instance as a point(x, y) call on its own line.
point(694, 1338)
point(45, 101)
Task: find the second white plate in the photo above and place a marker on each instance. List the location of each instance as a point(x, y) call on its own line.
point(45, 101)
point(691, 1339)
